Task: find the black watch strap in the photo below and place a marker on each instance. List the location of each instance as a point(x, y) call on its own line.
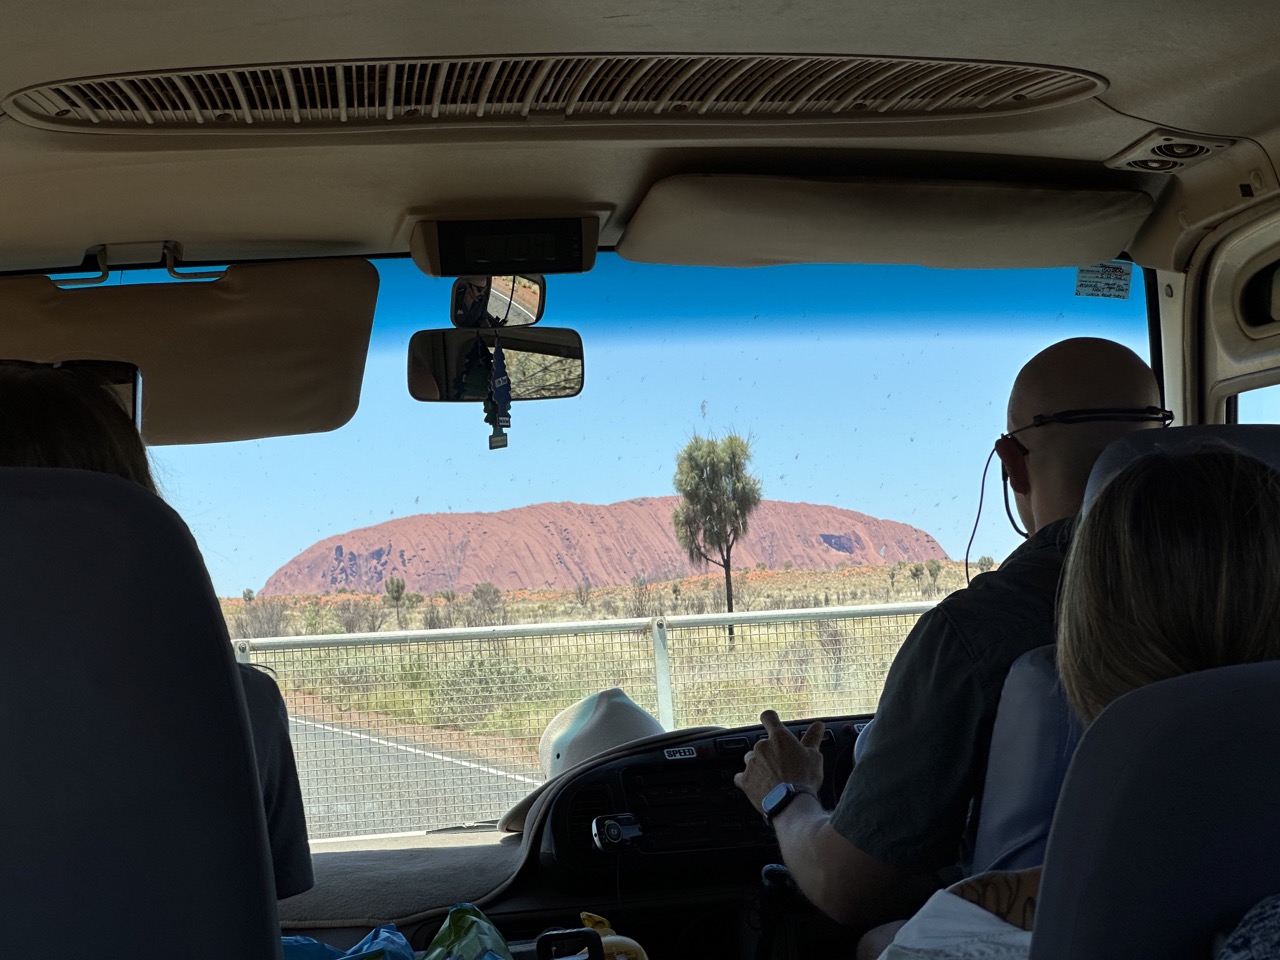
point(780, 797)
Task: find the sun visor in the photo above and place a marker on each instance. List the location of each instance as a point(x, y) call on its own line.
point(747, 221)
point(266, 350)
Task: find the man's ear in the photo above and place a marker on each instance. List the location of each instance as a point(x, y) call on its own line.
point(1014, 463)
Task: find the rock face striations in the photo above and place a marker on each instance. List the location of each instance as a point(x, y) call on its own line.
point(557, 546)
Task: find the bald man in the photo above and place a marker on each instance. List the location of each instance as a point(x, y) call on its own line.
point(902, 822)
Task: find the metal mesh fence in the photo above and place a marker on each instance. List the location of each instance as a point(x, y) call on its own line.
point(401, 732)
point(814, 666)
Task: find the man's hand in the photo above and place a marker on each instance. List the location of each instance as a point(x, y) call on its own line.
point(782, 759)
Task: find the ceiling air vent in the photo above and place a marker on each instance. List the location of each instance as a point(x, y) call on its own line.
point(1164, 151)
point(298, 97)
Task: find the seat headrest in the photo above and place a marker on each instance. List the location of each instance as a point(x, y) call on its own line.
point(1165, 828)
point(1261, 440)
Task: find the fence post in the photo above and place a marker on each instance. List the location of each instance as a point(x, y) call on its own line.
point(242, 648)
point(662, 673)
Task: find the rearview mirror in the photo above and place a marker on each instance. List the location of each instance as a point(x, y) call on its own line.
point(480, 301)
point(452, 366)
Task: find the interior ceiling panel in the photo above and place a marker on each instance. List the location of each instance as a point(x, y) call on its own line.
point(1191, 66)
point(1175, 65)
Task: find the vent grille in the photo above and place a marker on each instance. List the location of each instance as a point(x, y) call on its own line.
point(588, 802)
point(300, 96)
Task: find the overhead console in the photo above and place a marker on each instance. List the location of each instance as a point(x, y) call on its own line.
point(676, 807)
point(454, 248)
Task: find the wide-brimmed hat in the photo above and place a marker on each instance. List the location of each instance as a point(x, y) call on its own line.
point(592, 726)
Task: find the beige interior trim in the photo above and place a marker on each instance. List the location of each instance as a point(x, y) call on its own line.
point(747, 221)
point(267, 350)
point(1234, 356)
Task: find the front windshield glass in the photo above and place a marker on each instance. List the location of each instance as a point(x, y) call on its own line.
point(868, 396)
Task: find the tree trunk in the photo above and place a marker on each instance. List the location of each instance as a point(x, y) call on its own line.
point(728, 590)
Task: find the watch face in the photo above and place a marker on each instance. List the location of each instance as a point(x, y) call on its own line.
point(775, 798)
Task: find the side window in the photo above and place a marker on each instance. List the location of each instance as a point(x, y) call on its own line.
point(1259, 406)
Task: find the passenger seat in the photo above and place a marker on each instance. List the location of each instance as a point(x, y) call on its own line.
point(1035, 730)
point(131, 823)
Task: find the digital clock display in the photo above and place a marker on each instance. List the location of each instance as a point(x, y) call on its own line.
point(499, 247)
point(510, 247)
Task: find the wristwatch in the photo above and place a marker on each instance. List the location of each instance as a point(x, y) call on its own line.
point(776, 800)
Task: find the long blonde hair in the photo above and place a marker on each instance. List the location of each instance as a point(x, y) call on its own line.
point(1174, 569)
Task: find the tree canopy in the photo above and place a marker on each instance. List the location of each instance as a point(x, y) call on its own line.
point(717, 497)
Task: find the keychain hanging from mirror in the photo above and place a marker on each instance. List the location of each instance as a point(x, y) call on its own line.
point(497, 405)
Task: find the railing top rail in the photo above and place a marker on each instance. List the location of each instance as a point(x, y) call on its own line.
point(807, 613)
point(526, 630)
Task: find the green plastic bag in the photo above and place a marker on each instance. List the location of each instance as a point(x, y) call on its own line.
point(467, 934)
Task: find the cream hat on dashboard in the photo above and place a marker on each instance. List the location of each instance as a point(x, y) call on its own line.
point(592, 726)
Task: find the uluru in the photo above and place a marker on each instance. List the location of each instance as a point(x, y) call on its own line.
point(557, 546)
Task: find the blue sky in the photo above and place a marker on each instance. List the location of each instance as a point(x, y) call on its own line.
point(877, 389)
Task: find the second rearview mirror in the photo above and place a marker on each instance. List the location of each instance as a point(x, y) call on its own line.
point(510, 301)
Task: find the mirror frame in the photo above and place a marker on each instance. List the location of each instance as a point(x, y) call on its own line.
point(424, 376)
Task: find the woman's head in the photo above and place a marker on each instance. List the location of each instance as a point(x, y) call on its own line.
point(66, 418)
point(1174, 569)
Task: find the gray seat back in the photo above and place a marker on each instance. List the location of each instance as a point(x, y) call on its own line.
point(131, 819)
point(1261, 440)
point(1166, 831)
point(1034, 736)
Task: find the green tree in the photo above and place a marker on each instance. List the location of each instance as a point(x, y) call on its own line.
point(486, 605)
point(985, 563)
point(934, 567)
point(395, 597)
point(248, 595)
point(917, 574)
point(717, 496)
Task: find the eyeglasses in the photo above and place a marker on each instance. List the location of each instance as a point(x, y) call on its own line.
point(1093, 415)
point(1066, 418)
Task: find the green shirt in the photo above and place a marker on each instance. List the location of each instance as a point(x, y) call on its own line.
point(908, 800)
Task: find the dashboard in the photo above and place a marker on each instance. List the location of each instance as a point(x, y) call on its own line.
point(674, 809)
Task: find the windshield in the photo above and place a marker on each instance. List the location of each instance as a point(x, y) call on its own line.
point(868, 398)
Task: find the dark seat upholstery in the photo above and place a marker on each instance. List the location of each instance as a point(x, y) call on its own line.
point(1167, 831)
point(1035, 734)
point(131, 819)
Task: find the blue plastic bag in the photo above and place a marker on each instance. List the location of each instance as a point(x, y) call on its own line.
point(382, 943)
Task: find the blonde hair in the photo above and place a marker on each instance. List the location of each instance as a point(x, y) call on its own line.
point(1174, 569)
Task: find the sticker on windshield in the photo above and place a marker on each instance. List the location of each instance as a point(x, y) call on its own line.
point(1111, 280)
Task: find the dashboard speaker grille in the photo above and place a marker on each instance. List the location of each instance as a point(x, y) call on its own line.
point(400, 93)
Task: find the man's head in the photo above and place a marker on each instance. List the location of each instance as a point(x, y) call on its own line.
point(66, 418)
point(475, 288)
point(1048, 466)
point(1172, 570)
